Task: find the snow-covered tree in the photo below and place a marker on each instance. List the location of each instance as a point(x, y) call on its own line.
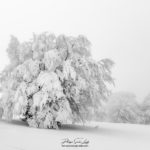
point(145, 108)
point(122, 107)
point(53, 80)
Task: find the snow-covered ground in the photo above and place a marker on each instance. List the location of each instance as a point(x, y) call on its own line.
point(17, 135)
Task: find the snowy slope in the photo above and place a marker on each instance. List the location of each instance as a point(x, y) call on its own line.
point(17, 135)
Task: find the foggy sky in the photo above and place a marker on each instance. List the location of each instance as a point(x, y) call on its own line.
point(117, 29)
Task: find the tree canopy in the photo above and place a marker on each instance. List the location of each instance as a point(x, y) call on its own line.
point(54, 79)
point(122, 107)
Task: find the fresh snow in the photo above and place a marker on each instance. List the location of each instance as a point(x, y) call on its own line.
point(16, 135)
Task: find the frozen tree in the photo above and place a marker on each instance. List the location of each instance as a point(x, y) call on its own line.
point(145, 108)
point(53, 80)
point(122, 107)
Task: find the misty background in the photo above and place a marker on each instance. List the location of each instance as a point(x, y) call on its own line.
point(118, 30)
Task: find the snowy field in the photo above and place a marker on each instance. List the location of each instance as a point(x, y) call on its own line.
point(17, 135)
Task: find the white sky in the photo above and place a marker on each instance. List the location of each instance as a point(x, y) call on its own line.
point(119, 30)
